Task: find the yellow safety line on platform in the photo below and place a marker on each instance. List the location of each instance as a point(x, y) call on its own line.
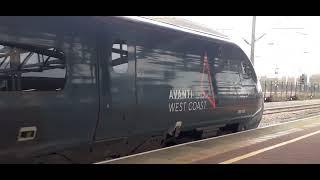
point(267, 149)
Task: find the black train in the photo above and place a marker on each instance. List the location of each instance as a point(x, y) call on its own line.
point(85, 89)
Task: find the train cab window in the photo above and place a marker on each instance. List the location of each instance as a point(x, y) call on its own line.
point(119, 57)
point(26, 68)
point(248, 76)
point(246, 70)
point(226, 66)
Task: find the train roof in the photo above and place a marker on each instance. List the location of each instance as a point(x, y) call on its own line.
point(185, 24)
point(178, 24)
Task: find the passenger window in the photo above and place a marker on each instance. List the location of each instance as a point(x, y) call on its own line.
point(119, 57)
point(25, 68)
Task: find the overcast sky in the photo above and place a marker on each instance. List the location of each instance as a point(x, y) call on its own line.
point(293, 51)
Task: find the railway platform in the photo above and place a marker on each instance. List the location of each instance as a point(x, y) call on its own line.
point(291, 142)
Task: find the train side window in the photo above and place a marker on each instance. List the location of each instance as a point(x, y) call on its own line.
point(27, 68)
point(119, 57)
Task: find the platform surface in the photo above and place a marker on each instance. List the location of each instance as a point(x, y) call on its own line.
point(293, 142)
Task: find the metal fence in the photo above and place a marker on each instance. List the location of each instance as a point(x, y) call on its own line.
point(288, 91)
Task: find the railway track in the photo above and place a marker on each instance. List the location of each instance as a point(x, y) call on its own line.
point(290, 109)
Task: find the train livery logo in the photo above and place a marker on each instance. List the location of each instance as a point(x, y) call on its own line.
point(196, 99)
point(210, 95)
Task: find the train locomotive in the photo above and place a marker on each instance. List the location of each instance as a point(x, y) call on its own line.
point(85, 89)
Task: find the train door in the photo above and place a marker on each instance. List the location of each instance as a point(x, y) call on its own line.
point(117, 89)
